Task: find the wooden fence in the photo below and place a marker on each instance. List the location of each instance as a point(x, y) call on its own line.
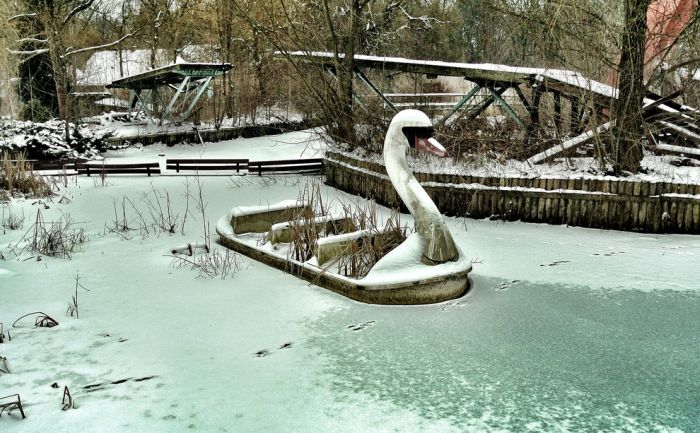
point(618, 204)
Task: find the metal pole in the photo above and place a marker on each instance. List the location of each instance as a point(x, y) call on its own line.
point(182, 86)
point(357, 99)
point(459, 104)
point(508, 109)
point(374, 88)
point(201, 91)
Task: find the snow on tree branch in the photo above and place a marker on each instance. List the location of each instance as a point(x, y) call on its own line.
point(40, 41)
point(16, 17)
point(81, 7)
point(423, 19)
point(70, 52)
point(28, 52)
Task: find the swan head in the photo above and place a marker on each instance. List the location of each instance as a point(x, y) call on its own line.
point(412, 128)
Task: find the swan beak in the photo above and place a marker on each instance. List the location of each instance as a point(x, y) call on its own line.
point(430, 145)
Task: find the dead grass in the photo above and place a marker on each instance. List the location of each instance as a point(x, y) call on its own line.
point(216, 264)
point(304, 233)
point(52, 238)
point(362, 254)
point(17, 177)
point(11, 221)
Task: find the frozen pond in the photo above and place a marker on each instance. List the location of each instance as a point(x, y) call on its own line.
point(564, 329)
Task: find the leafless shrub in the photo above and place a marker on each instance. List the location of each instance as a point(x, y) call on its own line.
point(73, 305)
point(293, 180)
point(159, 215)
point(201, 206)
point(268, 180)
point(53, 238)
point(122, 225)
point(41, 320)
point(161, 211)
point(239, 181)
point(187, 203)
point(12, 221)
point(471, 139)
point(215, 264)
point(121, 221)
point(16, 176)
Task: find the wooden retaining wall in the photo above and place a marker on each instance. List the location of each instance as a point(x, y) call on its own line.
point(210, 135)
point(657, 207)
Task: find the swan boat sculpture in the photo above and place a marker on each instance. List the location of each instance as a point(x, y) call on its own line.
point(426, 268)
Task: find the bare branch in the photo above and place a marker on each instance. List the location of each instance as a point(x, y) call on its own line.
point(81, 7)
point(423, 19)
point(99, 47)
point(16, 17)
point(27, 53)
point(40, 41)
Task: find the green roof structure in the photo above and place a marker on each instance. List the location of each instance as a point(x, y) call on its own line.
point(150, 91)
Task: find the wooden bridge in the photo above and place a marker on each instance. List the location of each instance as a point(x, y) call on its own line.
point(589, 101)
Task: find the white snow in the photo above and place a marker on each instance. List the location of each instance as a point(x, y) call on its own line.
point(345, 237)
point(102, 67)
point(466, 66)
point(404, 264)
point(316, 220)
point(564, 329)
point(240, 211)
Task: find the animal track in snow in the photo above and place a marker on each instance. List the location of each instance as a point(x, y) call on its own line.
point(261, 353)
point(266, 352)
point(362, 326)
point(558, 262)
point(451, 305)
point(100, 386)
point(506, 285)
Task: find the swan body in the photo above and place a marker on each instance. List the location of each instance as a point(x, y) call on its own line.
point(411, 128)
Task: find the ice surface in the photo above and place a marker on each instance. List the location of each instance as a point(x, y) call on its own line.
point(564, 329)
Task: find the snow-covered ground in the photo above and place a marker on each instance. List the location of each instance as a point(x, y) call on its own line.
point(564, 329)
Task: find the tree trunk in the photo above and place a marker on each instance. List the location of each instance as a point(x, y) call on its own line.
point(346, 72)
point(627, 110)
point(60, 78)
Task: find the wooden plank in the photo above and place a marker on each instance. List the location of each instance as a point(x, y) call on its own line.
point(472, 72)
point(286, 161)
point(119, 171)
point(569, 144)
point(314, 169)
point(119, 165)
point(148, 168)
point(683, 132)
point(205, 161)
point(206, 167)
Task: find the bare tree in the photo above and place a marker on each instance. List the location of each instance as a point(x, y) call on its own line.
point(8, 62)
point(53, 27)
point(627, 109)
